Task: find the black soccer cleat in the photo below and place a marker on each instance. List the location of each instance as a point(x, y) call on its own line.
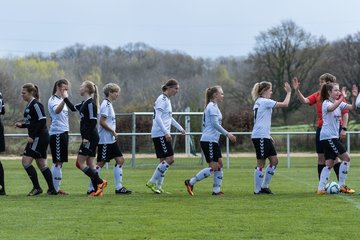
point(35, 191)
point(52, 192)
point(265, 191)
point(123, 190)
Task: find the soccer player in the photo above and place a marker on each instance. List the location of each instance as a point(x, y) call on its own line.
point(329, 135)
point(89, 135)
point(38, 139)
point(2, 147)
point(209, 141)
point(59, 128)
point(160, 134)
point(315, 99)
point(263, 142)
point(108, 148)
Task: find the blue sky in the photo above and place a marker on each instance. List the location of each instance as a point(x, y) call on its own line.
point(200, 28)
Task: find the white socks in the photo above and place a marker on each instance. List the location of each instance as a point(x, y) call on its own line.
point(57, 175)
point(324, 176)
point(204, 173)
point(218, 176)
point(258, 178)
point(343, 171)
point(159, 171)
point(270, 170)
point(118, 176)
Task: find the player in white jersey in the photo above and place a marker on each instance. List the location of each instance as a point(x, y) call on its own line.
point(59, 128)
point(329, 135)
point(209, 141)
point(263, 142)
point(108, 148)
point(160, 133)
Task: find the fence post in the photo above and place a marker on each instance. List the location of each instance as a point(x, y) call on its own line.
point(227, 154)
point(187, 129)
point(133, 141)
point(348, 142)
point(288, 149)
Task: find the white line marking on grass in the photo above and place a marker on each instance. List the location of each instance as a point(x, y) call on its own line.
point(348, 199)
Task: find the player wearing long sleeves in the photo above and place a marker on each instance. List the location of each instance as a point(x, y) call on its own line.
point(160, 133)
point(38, 140)
point(89, 135)
point(209, 142)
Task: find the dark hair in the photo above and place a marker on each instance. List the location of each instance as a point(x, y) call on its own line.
point(170, 83)
point(33, 89)
point(58, 83)
point(209, 93)
point(325, 88)
point(327, 77)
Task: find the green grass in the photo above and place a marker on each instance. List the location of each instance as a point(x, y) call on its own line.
point(295, 212)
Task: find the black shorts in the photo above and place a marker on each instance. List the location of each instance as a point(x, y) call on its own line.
point(211, 150)
point(264, 148)
point(59, 147)
point(106, 152)
point(2, 137)
point(38, 148)
point(89, 148)
point(163, 148)
point(332, 148)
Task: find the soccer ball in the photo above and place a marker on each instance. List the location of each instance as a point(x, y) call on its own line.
point(332, 188)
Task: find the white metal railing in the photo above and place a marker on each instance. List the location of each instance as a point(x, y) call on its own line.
point(287, 134)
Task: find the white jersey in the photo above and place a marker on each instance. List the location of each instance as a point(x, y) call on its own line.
point(107, 111)
point(210, 133)
point(331, 120)
point(59, 121)
point(262, 117)
point(162, 118)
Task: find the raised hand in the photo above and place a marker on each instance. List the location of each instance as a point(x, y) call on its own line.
point(295, 83)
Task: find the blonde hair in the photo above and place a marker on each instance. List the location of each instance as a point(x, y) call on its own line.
point(93, 89)
point(259, 89)
point(111, 87)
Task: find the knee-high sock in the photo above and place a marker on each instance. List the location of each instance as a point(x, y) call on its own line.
point(218, 176)
point(160, 181)
point(118, 173)
point(92, 174)
point(97, 170)
point(48, 177)
point(56, 171)
point(324, 177)
point(343, 171)
point(258, 179)
point(337, 170)
point(269, 172)
point(2, 181)
point(160, 170)
point(320, 168)
point(32, 175)
point(204, 173)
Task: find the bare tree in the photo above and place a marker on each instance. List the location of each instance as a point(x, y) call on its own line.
point(281, 53)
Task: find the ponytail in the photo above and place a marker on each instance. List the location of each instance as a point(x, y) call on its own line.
point(325, 88)
point(259, 89)
point(33, 89)
point(93, 90)
point(209, 93)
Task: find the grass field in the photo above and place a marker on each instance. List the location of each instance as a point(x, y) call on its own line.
point(294, 212)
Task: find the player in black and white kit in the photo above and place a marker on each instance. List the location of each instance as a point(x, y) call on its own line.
point(108, 148)
point(38, 140)
point(209, 141)
point(89, 135)
point(160, 133)
point(59, 128)
point(263, 142)
point(2, 146)
point(329, 135)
